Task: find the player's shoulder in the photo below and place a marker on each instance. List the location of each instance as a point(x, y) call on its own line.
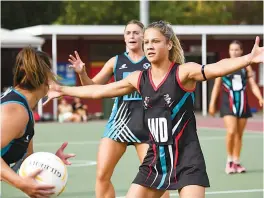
point(15, 110)
point(189, 64)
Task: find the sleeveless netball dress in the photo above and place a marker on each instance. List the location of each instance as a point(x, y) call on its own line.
point(234, 99)
point(126, 120)
point(174, 158)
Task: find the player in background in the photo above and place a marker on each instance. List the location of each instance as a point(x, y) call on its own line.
point(235, 109)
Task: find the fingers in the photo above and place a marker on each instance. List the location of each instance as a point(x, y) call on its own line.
point(261, 103)
point(45, 193)
point(77, 55)
point(45, 187)
point(70, 155)
point(257, 41)
point(72, 62)
point(63, 146)
point(66, 162)
point(72, 57)
point(35, 173)
point(67, 156)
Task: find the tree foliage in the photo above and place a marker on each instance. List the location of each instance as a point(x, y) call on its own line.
point(18, 14)
point(28, 13)
point(99, 12)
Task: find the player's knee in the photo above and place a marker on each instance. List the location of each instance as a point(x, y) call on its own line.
point(238, 136)
point(103, 176)
point(231, 131)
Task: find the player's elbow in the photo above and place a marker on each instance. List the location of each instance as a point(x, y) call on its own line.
point(98, 94)
point(95, 95)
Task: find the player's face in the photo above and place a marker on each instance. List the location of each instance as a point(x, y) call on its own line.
point(156, 46)
point(133, 37)
point(235, 50)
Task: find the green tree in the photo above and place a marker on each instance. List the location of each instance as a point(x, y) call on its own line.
point(177, 12)
point(191, 12)
point(18, 14)
point(99, 12)
point(247, 12)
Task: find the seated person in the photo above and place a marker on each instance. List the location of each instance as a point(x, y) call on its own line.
point(66, 113)
point(79, 108)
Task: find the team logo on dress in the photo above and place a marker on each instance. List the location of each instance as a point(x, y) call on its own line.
point(146, 65)
point(27, 138)
point(167, 99)
point(146, 102)
point(123, 66)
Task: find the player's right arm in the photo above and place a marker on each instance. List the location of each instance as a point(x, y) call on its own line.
point(101, 78)
point(14, 119)
point(119, 88)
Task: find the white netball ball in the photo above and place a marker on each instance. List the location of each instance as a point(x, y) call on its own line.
point(54, 172)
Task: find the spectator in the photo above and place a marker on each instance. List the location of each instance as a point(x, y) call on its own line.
point(66, 113)
point(79, 108)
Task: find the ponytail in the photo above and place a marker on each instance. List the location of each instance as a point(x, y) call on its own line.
point(32, 69)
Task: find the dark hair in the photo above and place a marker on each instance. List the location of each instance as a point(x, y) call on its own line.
point(176, 52)
point(238, 43)
point(141, 25)
point(32, 69)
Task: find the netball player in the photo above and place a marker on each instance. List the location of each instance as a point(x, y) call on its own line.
point(174, 160)
point(234, 109)
point(31, 75)
point(123, 127)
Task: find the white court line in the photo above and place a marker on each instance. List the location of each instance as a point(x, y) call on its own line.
point(81, 163)
point(221, 192)
point(223, 129)
point(253, 136)
point(71, 143)
point(247, 132)
point(97, 142)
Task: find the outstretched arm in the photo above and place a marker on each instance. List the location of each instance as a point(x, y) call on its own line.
point(101, 78)
point(189, 73)
point(114, 89)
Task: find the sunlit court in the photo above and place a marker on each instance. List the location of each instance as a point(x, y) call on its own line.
point(132, 99)
point(84, 138)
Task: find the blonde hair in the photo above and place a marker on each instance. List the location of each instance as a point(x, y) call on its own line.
point(176, 53)
point(32, 69)
point(141, 25)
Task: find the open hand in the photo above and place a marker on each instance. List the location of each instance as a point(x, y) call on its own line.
point(77, 64)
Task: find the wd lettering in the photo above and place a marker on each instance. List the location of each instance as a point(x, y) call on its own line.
point(159, 129)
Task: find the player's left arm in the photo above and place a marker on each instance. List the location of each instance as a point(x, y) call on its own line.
point(253, 85)
point(190, 73)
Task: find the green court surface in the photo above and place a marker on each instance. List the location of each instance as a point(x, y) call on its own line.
point(83, 141)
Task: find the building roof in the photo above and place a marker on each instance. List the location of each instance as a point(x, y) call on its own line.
point(10, 39)
point(40, 30)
